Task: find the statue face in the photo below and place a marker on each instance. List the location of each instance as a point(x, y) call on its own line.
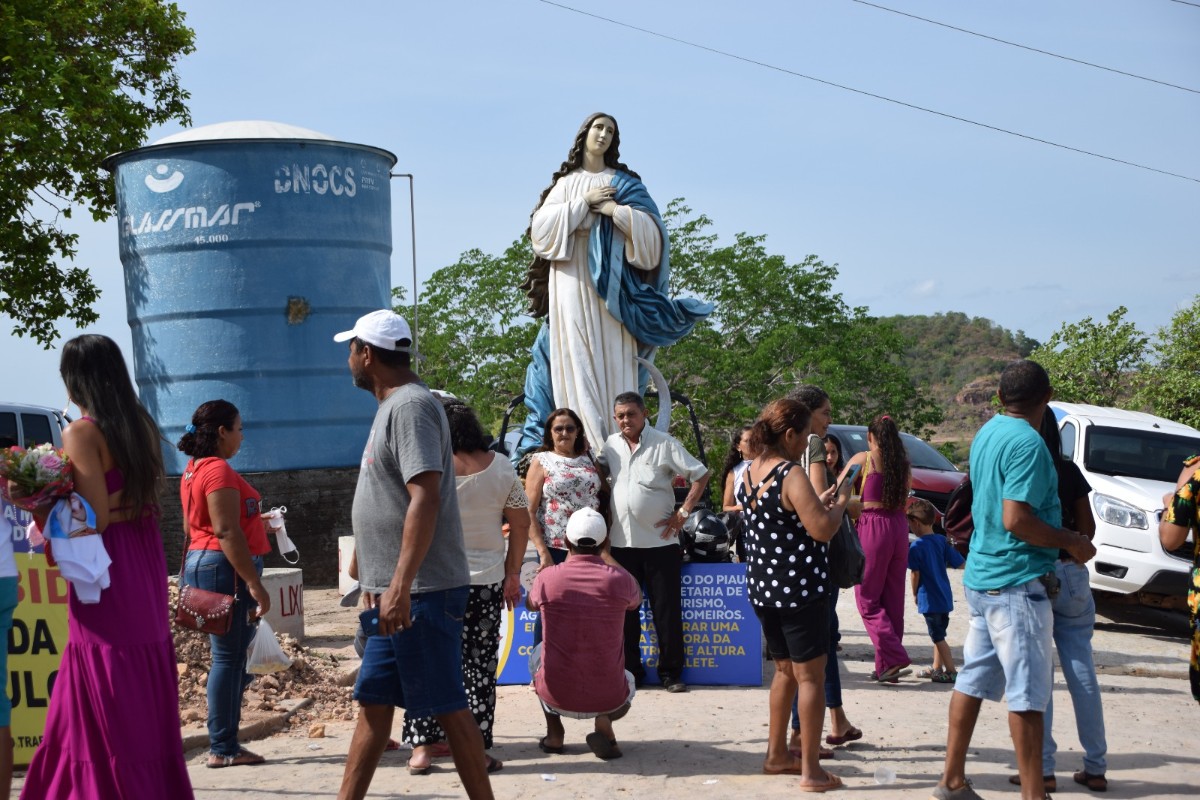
point(600, 135)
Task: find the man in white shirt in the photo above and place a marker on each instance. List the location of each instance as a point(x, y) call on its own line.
point(643, 463)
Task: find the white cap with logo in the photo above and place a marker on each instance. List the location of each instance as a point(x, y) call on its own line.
point(586, 527)
point(383, 328)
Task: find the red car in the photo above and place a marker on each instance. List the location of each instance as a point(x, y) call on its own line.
point(933, 476)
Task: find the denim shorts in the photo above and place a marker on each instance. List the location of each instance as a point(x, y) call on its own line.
point(8, 603)
point(937, 625)
point(419, 669)
point(1009, 647)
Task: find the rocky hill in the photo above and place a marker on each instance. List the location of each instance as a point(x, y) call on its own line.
point(957, 360)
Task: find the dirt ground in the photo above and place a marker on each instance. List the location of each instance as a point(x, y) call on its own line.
point(709, 743)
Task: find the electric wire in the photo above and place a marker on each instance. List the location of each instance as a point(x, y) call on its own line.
point(1186, 3)
point(1027, 47)
point(865, 93)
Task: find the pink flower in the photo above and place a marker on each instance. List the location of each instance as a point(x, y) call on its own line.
point(50, 462)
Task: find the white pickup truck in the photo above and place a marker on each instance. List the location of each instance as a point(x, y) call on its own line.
point(1131, 460)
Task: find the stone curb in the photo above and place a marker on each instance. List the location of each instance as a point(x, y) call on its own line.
point(259, 729)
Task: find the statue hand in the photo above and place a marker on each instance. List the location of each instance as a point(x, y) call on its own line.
point(597, 196)
point(607, 208)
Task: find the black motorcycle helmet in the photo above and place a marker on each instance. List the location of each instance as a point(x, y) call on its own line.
point(704, 537)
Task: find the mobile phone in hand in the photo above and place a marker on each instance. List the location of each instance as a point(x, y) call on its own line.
point(851, 474)
point(369, 620)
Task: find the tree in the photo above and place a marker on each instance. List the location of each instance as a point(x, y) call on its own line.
point(79, 80)
point(1171, 386)
point(473, 333)
point(1093, 362)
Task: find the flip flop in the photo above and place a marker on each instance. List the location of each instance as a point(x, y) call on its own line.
point(243, 758)
point(602, 746)
point(550, 749)
point(852, 735)
point(891, 674)
point(494, 764)
point(1095, 783)
point(834, 782)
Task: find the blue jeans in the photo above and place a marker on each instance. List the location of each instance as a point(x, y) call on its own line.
point(1007, 652)
point(227, 679)
point(833, 677)
point(1074, 619)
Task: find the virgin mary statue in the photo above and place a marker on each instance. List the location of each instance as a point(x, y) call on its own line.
point(600, 277)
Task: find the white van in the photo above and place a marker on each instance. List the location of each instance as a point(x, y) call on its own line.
point(1131, 460)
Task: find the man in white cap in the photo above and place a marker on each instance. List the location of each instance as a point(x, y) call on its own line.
point(579, 667)
point(412, 564)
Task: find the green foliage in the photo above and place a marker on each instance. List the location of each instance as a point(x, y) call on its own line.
point(79, 80)
point(952, 349)
point(1171, 386)
point(1093, 362)
point(777, 325)
point(472, 331)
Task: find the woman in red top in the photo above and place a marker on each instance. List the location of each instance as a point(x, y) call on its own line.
point(227, 540)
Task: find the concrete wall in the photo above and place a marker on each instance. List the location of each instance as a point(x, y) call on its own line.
point(318, 503)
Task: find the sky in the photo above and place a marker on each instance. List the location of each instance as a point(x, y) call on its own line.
point(921, 213)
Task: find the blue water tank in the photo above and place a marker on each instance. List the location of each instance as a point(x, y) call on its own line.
point(246, 246)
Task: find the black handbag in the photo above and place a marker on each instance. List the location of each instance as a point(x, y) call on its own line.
point(846, 557)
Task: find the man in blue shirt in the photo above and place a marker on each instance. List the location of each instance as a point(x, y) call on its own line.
point(1015, 544)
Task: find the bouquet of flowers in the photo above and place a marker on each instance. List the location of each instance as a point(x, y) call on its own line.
point(42, 472)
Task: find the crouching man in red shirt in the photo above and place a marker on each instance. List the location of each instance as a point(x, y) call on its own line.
point(579, 667)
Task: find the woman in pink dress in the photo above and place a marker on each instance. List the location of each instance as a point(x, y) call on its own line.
point(113, 726)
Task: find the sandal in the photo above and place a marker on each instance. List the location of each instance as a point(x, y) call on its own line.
point(852, 734)
point(833, 782)
point(928, 672)
point(494, 764)
point(945, 677)
point(602, 747)
point(550, 749)
point(243, 758)
point(893, 674)
point(1095, 783)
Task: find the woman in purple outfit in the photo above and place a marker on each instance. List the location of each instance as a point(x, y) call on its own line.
point(113, 726)
point(883, 531)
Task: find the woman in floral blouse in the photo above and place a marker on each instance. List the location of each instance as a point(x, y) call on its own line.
point(562, 478)
point(1182, 515)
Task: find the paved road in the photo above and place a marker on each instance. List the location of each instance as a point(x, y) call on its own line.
point(709, 743)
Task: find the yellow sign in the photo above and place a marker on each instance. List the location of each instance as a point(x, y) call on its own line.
point(35, 646)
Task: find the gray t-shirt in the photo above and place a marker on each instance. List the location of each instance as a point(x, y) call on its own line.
point(409, 436)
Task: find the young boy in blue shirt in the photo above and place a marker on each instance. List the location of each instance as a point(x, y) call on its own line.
point(928, 558)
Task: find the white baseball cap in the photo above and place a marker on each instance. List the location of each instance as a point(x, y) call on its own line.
point(383, 328)
point(586, 527)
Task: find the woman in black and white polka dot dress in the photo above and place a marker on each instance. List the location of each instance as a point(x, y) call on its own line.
point(787, 528)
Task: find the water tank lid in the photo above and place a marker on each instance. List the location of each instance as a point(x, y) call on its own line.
point(243, 129)
point(253, 130)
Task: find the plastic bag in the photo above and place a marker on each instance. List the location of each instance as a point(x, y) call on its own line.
point(266, 656)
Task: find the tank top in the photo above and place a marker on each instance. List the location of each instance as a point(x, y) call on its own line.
point(785, 567)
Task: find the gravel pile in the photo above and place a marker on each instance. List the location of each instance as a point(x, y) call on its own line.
point(313, 674)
